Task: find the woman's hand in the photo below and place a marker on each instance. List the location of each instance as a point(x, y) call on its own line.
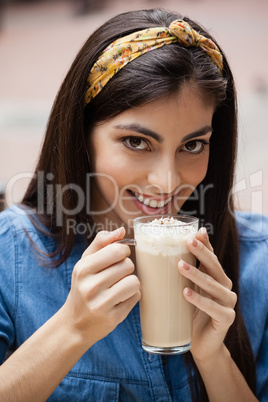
point(104, 289)
point(212, 296)
point(103, 292)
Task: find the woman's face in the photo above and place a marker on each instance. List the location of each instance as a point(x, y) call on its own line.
point(148, 160)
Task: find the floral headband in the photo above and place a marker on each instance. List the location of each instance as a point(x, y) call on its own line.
point(124, 50)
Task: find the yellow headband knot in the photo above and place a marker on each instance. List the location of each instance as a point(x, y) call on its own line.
point(124, 50)
point(187, 36)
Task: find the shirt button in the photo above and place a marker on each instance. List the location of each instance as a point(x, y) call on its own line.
point(151, 357)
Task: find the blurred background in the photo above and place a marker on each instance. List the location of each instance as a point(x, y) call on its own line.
point(39, 40)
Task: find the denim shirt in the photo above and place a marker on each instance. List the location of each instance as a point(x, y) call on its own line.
point(116, 368)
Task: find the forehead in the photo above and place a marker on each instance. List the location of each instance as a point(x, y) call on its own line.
point(190, 96)
point(171, 117)
point(189, 100)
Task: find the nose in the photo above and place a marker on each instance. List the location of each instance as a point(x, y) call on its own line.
point(164, 176)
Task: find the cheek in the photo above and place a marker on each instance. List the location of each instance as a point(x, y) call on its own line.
point(196, 171)
point(111, 174)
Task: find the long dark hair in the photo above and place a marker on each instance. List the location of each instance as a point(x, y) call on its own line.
point(64, 158)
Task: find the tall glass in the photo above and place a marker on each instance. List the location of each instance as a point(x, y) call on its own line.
point(166, 317)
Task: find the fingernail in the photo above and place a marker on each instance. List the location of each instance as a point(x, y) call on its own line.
point(194, 242)
point(188, 292)
point(184, 265)
point(116, 232)
point(203, 231)
point(118, 229)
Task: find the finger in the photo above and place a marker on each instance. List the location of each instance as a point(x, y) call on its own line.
point(210, 286)
point(202, 236)
point(110, 276)
point(102, 259)
point(122, 309)
point(209, 260)
point(124, 289)
point(102, 240)
point(223, 316)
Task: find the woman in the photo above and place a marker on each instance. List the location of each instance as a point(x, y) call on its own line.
point(144, 123)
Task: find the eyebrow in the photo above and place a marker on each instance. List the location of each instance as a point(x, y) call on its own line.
point(149, 133)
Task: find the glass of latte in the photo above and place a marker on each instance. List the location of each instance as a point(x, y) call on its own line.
point(166, 317)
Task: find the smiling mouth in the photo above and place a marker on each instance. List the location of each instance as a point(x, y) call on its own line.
point(150, 202)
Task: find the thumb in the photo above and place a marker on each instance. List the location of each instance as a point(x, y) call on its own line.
point(104, 238)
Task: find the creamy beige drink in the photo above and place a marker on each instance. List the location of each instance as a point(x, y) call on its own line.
point(166, 317)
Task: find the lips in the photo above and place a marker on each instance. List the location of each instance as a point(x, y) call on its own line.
point(149, 204)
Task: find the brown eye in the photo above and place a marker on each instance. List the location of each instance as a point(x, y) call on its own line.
point(195, 147)
point(135, 143)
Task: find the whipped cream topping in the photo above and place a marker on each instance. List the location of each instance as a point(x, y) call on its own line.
point(166, 236)
point(166, 221)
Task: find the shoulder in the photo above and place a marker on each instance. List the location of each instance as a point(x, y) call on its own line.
point(14, 226)
point(253, 276)
point(253, 288)
point(18, 232)
point(15, 219)
point(253, 255)
point(253, 242)
point(14, 251)
point(13, 222)
point(252, 226)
